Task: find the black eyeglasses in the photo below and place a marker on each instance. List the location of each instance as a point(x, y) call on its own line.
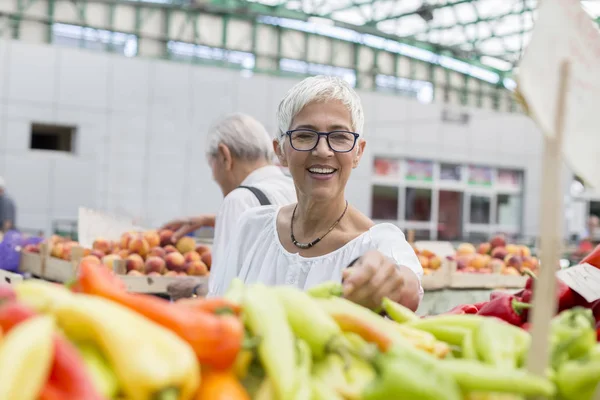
point(307, 140)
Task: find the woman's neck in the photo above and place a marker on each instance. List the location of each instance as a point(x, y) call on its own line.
point(314, 217)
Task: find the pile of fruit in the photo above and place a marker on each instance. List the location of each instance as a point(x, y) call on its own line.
point(429, 260)
point(495, 256)
point(145, 253)
point(262, 342)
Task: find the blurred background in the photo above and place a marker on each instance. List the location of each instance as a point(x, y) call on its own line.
point(106, 104)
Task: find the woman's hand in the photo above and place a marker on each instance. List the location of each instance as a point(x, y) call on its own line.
point(182, 227)
point(375, 276)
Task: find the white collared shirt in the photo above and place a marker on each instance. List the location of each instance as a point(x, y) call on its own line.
point(271, 180)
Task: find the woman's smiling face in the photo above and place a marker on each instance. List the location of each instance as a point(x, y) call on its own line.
point(321, 173)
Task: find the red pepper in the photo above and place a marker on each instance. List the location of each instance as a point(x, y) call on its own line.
point(526, 326)
point(598, 331)
point(566, 298)
point(593, 258)
point(463, 309)
point(507, 308)
point(68, 379)
point(479, 305)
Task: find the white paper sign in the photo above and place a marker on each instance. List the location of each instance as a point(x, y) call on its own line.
point(584, 279)
point(565, 32)
point(92, 224)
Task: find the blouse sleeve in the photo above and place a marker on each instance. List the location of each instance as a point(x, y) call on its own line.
point(390, 241)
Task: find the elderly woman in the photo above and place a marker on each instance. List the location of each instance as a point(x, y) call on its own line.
point(304, 244)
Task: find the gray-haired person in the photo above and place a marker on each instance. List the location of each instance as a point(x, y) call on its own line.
point(240, 154)
point(8, 210)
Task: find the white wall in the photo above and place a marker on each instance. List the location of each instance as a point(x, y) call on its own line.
point(142, 125)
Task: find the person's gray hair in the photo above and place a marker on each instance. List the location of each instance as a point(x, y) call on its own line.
point(246, 138)
point(317, 89)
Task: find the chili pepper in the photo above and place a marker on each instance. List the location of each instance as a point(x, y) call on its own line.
point(148, 360)
point(577, 380)
point(373, 328)
point(473, 376)
point(26, 358)
point(506, 308)
point(572, 335)
point(566, 298)
point(303, 311)
point(403, 373)
point(398, 312)
point(463, 309)
point(501, 344)
point(221, 385)
point(67, 376)
point(215, 305)
point(266, 318)
point(326, 289)
point(216, 340)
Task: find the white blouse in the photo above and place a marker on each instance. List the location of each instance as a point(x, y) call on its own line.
point(256, 255)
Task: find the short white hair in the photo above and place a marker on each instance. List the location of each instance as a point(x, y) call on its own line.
point(315, 89)
point(246, 138)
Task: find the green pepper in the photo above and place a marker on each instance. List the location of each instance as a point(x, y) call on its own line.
point(500, 344)
point(326, 290)
point(267, 319)
point(466, 321)
point(572, 335)
point(398, 312)
point(468, 347)
point(235, 293)
point(330, 372)
point(359, 373)
point(304, 371)
point(473, 376)
point(577, 380)
point(403, 373)
point(322, 391)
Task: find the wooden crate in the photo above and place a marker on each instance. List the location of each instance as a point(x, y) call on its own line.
point(440, 279)
point(467, 280)
point(10, 277)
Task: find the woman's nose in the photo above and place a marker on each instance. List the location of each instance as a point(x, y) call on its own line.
point(322, 148)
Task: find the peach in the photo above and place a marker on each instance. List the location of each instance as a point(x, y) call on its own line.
point(498, 241)
point(479, 261)
point(134, 272)
point(140, 246)
point(513, 249)
point(126, 238)
point(530, 262)
point(525, 251)
point(31, 248)
point(435, 262)
point(463, 261)
point(158, 252)
point(109, 260)
point(165, 236)
point(427, 271)
point(514, 261)
point(92, 259)
point(511, 271)
point(170, 273)
point(175, 262)
point(196, 268)
point(466, 248)
point(192, 256)
point(98, 254)
point(154, 264)
point(186, 244)
point(427, 253)
point(181, 274)
point(207, 259)
point(170, 249)
point(154, 273)
point(123, 254)
point(201, 249)
point(102, 244)
point(134, 262)
point(484, 248)
point(424, 261)
point(499, 253)
point(152, 238)
point(57, 250)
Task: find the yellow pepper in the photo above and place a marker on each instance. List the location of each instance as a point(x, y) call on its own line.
point(150, 361)
point(40, 295)
point(26, 354)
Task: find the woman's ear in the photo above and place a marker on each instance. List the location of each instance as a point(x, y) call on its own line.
point(277, 148)
point(224, 156)
point(360, 146)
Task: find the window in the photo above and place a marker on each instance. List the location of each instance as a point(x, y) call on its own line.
point(417, 170)
point(418, 204)
point(479, 212)
point(384, 203)
point(386, 167)
point(450, 172)
point(52, 137)
point(421, 90)
point(509, 178)
point(450, 213)
point(508, 210)
point(480, 176)
point(94, 39)
point(187, 51)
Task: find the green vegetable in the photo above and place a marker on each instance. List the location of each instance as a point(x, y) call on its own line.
point(500, 344)
point(572, 335)
point(304, 371)
point(266, 318)
point(235, 293)
point(466, 321)
point(577, 380)
point(473, 376)
point(398, 312)
point(326, 290)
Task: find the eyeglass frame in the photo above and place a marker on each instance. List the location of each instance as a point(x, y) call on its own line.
point(319, 134)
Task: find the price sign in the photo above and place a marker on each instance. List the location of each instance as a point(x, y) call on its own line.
point(584, 279)
point(92, 224)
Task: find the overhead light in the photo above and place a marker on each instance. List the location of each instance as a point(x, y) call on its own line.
point(496, 63)
point(425, 12)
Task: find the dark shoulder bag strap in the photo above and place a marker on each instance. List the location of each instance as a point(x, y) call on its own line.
point(262, 198)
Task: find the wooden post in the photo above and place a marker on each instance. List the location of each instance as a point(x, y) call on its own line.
point(551, 221)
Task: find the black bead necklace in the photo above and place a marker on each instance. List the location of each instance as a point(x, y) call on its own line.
point(317, 240)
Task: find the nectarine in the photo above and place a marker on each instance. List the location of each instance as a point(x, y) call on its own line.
point(158, 252)
point(201, 249)
point(192, 256)
point(154, 264)
point(513, 249)
point(186, 244)
point(152, 238)
point(125, 239)
point(424, 261)
point(170, 273)
point(207, 259)
point(466, 248)
point(170, 249)
point(140, 246)
point(165, 237)
point(109, 260)
point(102, 244)
point(484, 248)
point(499, 253)
point(525, 251)
point(498, 241)
point(196, 268)
point(57, 250)
point(514, 261)
point(175, 262)
point(435, 262)
point(134, 262)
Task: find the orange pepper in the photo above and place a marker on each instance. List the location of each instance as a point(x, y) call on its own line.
point(221, 385)
point(216, 340)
